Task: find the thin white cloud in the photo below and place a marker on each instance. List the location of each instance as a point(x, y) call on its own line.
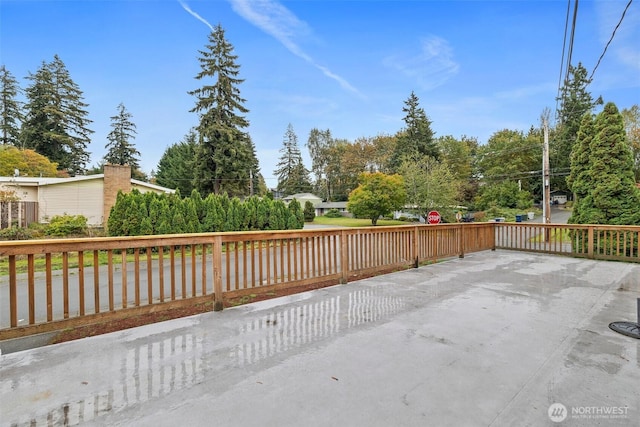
point(431, 67)
point(278, 21)
point(195, 15)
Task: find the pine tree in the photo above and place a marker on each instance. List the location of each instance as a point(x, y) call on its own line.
point(575, 102)
point(292, 175)
point(613, 197)
point(417, 138)
point(225, 157)
point(177, 164)
point(56, 120)
point(10, 108)
point(120, 149)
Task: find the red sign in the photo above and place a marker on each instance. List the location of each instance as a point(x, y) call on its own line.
point(433, 217)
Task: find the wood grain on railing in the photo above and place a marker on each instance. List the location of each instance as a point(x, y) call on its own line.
point(38, 296)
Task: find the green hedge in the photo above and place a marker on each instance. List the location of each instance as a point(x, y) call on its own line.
point(136, 214)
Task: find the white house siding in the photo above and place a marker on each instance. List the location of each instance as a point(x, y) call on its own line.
point(72, 198)
point(26, 193)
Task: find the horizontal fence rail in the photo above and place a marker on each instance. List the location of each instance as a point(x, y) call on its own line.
point(48, 285)
point(52, 284)
point(605, 242)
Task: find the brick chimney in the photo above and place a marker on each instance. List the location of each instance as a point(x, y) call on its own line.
point(116, 178)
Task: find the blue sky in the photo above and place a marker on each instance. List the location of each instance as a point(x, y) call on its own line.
point(476, 66)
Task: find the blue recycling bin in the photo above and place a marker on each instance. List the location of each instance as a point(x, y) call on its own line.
point(518, 218)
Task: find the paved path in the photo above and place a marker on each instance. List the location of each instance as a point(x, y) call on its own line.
point(493, 339)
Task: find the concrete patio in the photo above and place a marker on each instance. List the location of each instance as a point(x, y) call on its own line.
point(495, 339)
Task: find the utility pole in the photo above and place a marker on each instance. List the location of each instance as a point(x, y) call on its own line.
point(546, 205)
point(250, 182)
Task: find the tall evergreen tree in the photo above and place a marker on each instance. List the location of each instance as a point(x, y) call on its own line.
point(417, 138)
point(579, 179)
point(121, 150)
point(56, 119)
point(225, 157)
point(10, 108)
point(613, 197)
point(575, 102)
point(293, 176)
point(175, 168)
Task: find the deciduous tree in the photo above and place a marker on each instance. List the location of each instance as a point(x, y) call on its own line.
point(377, 195)
point(631, 118)
point(27, 162)
point(430, 185)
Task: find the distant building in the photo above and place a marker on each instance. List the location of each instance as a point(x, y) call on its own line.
point(302, 198)
point(324, 207)
point(559, 197)
point(92, 196)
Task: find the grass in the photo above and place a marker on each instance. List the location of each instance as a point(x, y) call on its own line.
point(354, 222)
point(73, 262)
point(561, 235)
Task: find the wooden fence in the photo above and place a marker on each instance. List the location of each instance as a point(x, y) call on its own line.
point(53, 284)
point(48, 285)
point(605, 242)
point(18, 214)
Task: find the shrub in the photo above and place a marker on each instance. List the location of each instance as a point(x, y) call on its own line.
point(309, 212)
point(16, 233)
point(333, 213)
point(65, 225)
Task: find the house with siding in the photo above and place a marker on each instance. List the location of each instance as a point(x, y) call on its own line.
point(39, 199)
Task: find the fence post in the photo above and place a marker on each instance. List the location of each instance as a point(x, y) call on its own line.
point(217, 273)
point(416, 262)
point(460, 241)
point(344, 257)
point(493, 236)
point(13, 292)
point(590, 236)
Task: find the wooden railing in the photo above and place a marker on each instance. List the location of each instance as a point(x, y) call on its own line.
point(48, 285)
point(52, 284)
point(606, 242)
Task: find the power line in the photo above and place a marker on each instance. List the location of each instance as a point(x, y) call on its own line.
point(564, 44)
point(569, 51)
point(611, 39)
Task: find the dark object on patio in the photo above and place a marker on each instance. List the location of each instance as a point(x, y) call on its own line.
point(629, 329)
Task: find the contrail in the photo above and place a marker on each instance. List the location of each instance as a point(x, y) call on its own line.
point(276, 20)
point(195, 15)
